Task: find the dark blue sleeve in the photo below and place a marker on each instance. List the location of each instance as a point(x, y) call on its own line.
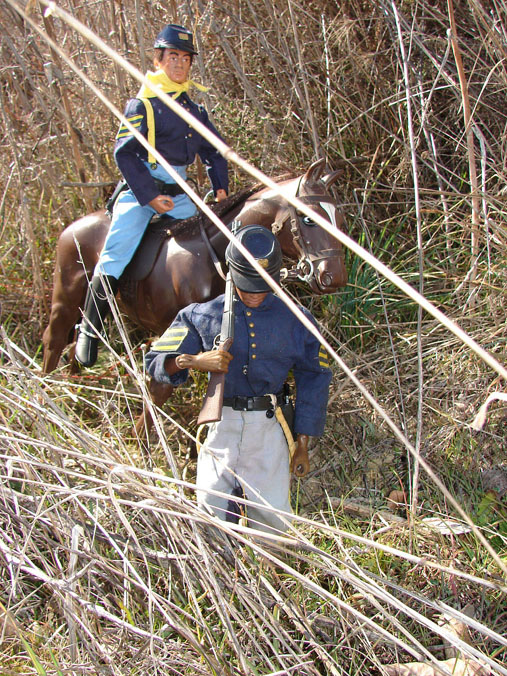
point(130, 154)
point(180, 338)
point(312, 375)
point(216, 165)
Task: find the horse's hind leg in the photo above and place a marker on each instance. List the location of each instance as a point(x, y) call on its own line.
point(160, 393)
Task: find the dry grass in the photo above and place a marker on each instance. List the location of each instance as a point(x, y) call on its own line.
point(106, 567)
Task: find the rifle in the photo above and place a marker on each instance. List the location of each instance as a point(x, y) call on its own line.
point(211, 410)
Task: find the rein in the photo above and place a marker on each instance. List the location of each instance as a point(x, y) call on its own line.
point(211, 251)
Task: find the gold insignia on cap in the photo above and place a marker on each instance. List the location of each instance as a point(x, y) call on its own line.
point(263, 262)
point(183, 36)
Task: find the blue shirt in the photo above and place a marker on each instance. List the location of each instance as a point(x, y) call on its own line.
point(269, 341)
point(175, 140)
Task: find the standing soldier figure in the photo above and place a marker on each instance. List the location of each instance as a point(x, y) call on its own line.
point(246, 453)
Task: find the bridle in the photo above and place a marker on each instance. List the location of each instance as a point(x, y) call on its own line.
point(308, 260)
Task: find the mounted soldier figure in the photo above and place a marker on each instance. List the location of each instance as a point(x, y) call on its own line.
point(148, 188)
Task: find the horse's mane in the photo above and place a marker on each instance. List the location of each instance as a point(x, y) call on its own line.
point(190, 227)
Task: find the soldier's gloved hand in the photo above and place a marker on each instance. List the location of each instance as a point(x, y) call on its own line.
point(215, 361)
point(300, 464)
point(162, 204)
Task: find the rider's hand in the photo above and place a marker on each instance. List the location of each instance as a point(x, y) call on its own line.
point(214, 361)
point(162, 203)
point(221, 195)
point(300, 464)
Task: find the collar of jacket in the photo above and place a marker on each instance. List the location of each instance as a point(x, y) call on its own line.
point(160, 79)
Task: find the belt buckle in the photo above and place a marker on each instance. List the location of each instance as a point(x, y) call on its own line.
point(240, 403)
point(249, 404)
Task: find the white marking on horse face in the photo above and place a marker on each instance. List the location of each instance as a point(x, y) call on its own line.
point(330, 211)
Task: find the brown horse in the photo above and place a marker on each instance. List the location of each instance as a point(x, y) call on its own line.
point(183, 271)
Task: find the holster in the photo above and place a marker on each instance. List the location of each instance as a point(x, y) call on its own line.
point(288, 407)
point(120, 187)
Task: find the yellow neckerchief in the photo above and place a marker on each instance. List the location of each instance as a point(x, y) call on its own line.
point(160, 79)
point(167, 85)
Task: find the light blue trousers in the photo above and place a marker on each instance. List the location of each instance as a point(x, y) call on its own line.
point(130, 221)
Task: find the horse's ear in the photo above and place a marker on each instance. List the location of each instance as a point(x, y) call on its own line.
point(331, 178)
point(314, 172)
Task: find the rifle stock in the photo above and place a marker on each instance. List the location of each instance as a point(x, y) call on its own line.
point(211, 410)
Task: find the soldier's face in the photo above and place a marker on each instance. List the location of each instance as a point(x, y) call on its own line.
point(176, 64)
point(251, 299)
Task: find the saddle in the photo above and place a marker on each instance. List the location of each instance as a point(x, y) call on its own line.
point(162, 228)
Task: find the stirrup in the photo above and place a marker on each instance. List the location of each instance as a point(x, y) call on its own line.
point(85, 332)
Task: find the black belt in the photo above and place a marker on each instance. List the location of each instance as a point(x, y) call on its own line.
point(253, 403)
point(171, 189)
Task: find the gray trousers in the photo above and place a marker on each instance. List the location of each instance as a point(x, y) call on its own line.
point(248, 449)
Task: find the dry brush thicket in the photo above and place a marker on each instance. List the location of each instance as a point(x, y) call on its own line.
point(105, 565)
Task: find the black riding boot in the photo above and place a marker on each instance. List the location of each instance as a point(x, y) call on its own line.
point(96, 309)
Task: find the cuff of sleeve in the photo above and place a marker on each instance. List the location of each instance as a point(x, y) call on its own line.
point(178, 378)
point(309, 426)
point(155, 367)
point(144, 198)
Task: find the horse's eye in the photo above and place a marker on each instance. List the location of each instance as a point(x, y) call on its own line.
point(308, 221)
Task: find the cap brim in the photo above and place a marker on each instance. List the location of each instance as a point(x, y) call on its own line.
point(249, 283)
point(167, 45)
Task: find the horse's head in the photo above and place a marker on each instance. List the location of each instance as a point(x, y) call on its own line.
point(321, 262)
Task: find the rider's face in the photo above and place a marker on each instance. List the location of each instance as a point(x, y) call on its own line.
point(176, 64)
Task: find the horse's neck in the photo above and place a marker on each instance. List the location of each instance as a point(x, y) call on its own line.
point(260, 208)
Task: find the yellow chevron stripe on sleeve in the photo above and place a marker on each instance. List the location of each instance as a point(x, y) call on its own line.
point(124, 131)
point(171, 340)
point(323, 358)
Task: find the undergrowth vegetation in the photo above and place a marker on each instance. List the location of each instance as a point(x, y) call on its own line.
point(106, 566)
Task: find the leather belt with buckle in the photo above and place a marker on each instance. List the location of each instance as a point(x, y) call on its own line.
point(239, 403)
point(171, 189)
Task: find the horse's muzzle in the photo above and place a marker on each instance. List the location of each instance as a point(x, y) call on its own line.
point(329, 273)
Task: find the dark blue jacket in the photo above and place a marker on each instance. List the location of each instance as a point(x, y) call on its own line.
point(269, 341)
point(175, 140)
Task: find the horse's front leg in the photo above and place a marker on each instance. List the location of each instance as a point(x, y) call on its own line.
point(160, 393)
